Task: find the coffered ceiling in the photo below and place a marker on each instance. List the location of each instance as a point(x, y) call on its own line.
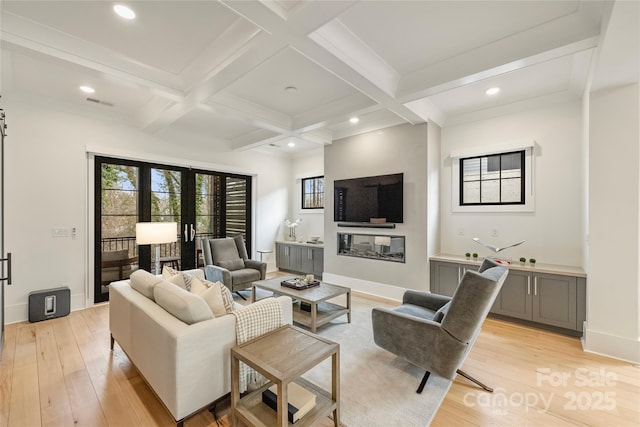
point(259, 74)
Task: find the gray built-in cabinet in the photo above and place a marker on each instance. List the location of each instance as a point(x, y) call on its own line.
point(546, 295)
point(304, 258)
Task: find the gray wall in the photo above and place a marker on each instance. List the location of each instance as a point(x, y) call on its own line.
point(392, 150)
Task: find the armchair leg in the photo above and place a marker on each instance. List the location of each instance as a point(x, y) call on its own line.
point(240, 295)
point(423, 382)
point(470, 378)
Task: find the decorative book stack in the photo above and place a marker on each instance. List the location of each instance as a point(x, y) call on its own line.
point(301, 400)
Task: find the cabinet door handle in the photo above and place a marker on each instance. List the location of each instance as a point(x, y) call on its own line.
point(528, 285)
point(535, 285)
point(459, 274)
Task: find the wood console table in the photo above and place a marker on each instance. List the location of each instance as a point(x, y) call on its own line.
point(282, 356)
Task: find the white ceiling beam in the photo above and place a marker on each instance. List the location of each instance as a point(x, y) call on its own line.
point(317, 136)
point(221, 52)
point(255, 139)
point(341, 42)
point(227, 105)
point(436, 80)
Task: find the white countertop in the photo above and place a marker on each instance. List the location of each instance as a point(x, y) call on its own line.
point(566, 270)
point(304, 243)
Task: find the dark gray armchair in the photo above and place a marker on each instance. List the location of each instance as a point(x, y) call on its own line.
point(436, 332)
point(226, 261)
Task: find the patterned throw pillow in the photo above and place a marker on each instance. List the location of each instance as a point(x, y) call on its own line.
point(203, 288)
point(177, 277)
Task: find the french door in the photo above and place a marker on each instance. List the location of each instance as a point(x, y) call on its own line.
point(201, 203)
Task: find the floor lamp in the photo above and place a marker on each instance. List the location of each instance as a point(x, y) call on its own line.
point(156, 233)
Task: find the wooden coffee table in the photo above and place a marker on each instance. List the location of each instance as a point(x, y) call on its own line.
point(282, 356)
point(321, 310)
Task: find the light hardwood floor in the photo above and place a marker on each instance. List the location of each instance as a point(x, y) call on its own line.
point(61, 373)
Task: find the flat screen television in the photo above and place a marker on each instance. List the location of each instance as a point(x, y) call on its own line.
point(361, 199)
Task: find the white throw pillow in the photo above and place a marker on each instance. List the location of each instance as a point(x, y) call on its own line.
point(176, 277)
point(213, 298)
point(144, 282)
point(197, 285)
point(182, 304)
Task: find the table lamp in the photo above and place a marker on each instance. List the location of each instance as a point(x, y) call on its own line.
point(156, 233)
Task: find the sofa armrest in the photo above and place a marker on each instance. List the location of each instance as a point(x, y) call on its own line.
point(425, 299)
point(213, 273)
point(257, 265)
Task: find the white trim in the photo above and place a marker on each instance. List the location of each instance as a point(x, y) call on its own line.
point(165, 160)
point(365, 286)
point(529, 174)
point(504, 147)
point(621, 348)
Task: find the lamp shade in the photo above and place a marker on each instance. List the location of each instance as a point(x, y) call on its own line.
point(153, 233)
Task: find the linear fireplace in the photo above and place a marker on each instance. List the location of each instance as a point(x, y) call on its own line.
point(381, 247)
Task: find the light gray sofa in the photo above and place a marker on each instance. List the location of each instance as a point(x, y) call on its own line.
point(187, 365)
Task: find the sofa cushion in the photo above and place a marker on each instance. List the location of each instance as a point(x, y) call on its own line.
point(144, 282)
point(182, 304)
point(232, 265)
point(245, 275)
point(223, 250)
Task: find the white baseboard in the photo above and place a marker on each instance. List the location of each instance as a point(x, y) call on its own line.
point(20, 312)
point(365, 286)
point(613, 346)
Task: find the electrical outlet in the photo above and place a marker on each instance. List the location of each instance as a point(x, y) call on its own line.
point(60, 232)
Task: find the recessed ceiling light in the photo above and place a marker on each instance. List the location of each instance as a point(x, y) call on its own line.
point(492, 90)
point(354, 120)
point(124, 11)
point(87, 89)
point(291, 89)
point(291, 144)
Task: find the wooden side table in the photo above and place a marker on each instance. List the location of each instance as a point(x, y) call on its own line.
point(282, 356)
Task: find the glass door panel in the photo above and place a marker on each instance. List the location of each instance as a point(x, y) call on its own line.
point(207, 212)
point(117, 257)
point(166, 201)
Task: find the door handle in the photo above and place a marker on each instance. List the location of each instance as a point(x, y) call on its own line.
point(535, 285)
point(8, 259)
point(186, 232)
point(528, 285)
point(193, 232)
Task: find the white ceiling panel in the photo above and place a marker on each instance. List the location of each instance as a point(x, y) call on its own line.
point(62, 81)
point(411, 35)
point(206, 123)
point(165, 34)
point(265, 85)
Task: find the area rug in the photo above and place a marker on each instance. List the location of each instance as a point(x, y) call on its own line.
point(376, 387)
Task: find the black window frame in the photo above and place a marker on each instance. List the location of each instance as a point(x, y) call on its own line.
point(303, 193)
point(490, 158)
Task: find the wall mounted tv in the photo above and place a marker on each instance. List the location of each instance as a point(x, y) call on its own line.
point(361, 199)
